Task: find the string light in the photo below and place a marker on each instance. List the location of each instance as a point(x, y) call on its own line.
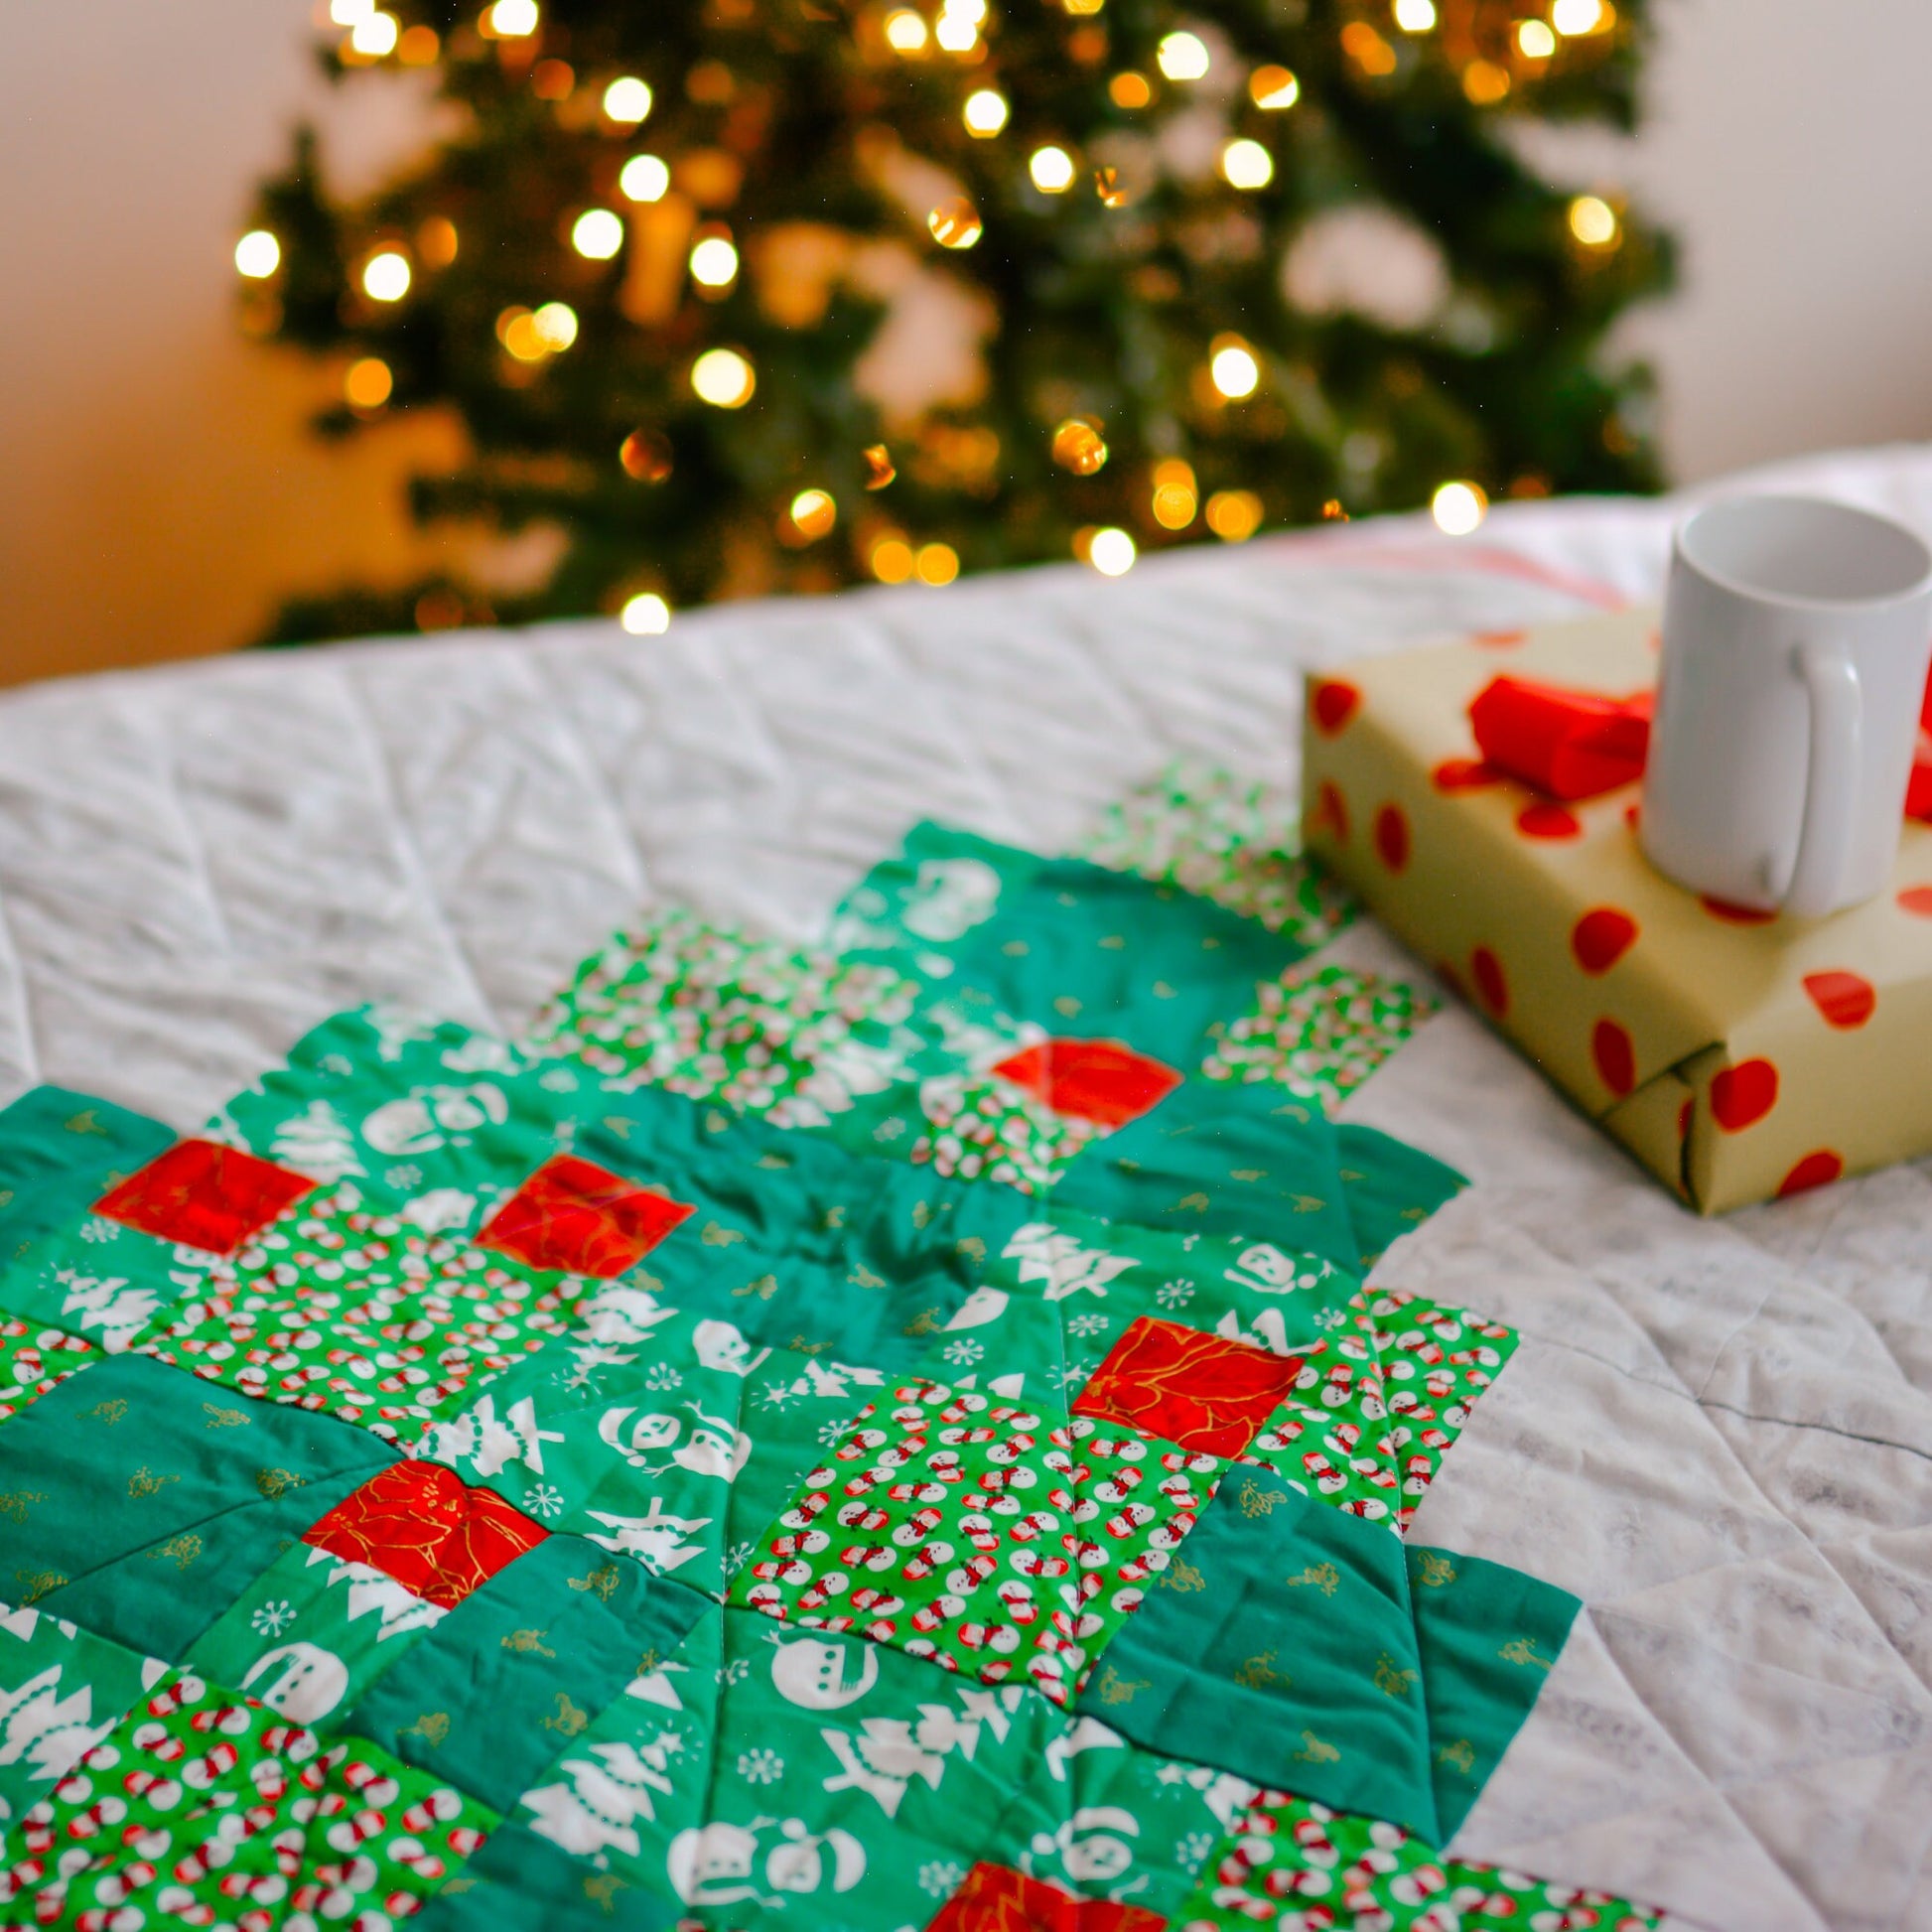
point(1458, 508)
point(954, 223)
point(1129, 91)
point(724, 378)
point(369, 383)
point(1234, 515)
point(1593, 222)
point(645, 178)
point(514, 20)
point(1573, 17)
point(713, 262)
point(1273, 88)
point(597, 235)
point(937, 564)
point(1367, 49)
point(257, 255)
point(385, 277)
point(418, 47)
point(955, 33)
point(516, 330)
point(348, 13)
point(552, 80)
point(375, 35)
point(1052, 169)
point(646, 456)
point(436, 241)
point(813, 513)
point(890, 560)
point(1233, 369)
point(1182, 55)
point(1247, 163)
point(1176, 498)
point(1110, 551)
point(556, 325)
point(1484, 82)
point(906, 31)
point(1534, 40)
point(1415, 16)
point(879, 467)
point(1079, 446)
point(626, 100)
point(985, 113)
point(645, 615)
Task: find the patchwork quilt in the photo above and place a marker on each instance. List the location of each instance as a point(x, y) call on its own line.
point(994, 1358)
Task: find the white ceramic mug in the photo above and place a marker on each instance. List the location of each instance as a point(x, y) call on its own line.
point(1796, 637)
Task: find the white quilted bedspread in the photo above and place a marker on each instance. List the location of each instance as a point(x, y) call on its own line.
point(1718, 1434)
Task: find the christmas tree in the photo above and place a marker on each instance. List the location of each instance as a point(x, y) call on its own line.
point(736, 296)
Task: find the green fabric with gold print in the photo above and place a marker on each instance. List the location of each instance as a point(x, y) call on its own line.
point(60, 1151)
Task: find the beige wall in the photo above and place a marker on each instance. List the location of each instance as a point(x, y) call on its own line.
point(157, 493)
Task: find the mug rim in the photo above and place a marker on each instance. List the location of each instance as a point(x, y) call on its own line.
point(1758, 592)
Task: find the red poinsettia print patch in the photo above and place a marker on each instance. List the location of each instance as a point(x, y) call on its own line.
point(1207, 1394)
point(423, 1525)
point(578, 1218)
point(996, 1898)
point(200, 1195)
point(1091, 1079)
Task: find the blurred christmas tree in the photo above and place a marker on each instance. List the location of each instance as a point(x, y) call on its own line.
point(743, 295)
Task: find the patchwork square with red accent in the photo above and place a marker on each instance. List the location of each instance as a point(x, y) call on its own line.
point(579, 1220)
point(996, 1898)
point(423, 1525)
point(200, 1195)
point(1091, 1079)
point(1201, 1390)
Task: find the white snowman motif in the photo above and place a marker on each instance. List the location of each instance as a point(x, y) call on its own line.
point(817, 1675)
point(303, 1681)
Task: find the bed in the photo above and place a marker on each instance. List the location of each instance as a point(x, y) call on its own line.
point(1716, 1434)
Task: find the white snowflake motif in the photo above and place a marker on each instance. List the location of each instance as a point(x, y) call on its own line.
point(404, 1176)
point(273, 1618)
point(1174, 1294)
point(93, 1229)
point(781, 1395)
point(1192, 1850)
point(964, 1352)
point(735, 1558)
point(760, 1767)
point(543, 1500)
point(735, 1672)
point(941, 1877)
point(1076, 1374)
point(1087, 1324)
point(661, 1375)
point(1331, 1319)
point(832, 1434)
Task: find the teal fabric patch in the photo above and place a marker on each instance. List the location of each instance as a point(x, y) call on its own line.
point(149, 1498)
point(520, 1882)
point(523, 1664)
point(1289, 1643)
point(1391, 1187)
point(60, 1151)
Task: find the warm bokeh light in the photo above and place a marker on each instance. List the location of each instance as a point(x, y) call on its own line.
point(890, 560)
point(1052, 169)
point(1233, 369)
point(645, 178)
point(597, 235)
point(556, 325)
point(1080, 447)
point(1234, 515)
point(1458, 508)
point(511, 20)
point(1415, 16)
point(1176, 495)
point(436, 240)
point(937, 564)
point(985, 113)
point(813, 513)
point(1484, 82)
point(1129, 91)
point(956, 33)
point(348, 13)
point(375, 35)
point(1534, 40)
point(1111, 552)
point(418, 47)
point(724, 378)
point(626, 100)
point(1183, 56)
point(1593, 222)
point(954, 223)
point(1367, 49)
point(552, 80)
point(257, 255)
point(906, 31)
point(385, 276)
point(369, 383)
point(713, 262)
point(1573, 17)
point(516, 330)
point(1273, 88)
point(1247, 163)
point(645, 455)
point(645, 615)
point(879, 468)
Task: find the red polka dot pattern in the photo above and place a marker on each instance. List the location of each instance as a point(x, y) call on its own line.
point(1742, 1095)
point(1722, 909)
point(1615, 1057)
point(1602, 937)
point(1817, 1169)
point(1492, 989)
point(1541, 821)
point(1335, 703)
point(1392, 837)
point(1845, 999)
point(1465, 774)
point(1916, 900)
point(1331, 810)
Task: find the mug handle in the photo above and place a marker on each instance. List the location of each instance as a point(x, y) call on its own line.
point(1830, 682)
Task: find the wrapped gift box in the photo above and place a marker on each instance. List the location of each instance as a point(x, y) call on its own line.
point(1737, 1056)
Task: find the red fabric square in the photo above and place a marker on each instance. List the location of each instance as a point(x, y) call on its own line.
point(203, 1195)
point(995, 1898)
point(1198, 1390)
point(1093, 1079)
point(575, 1217)
point(423, 1525)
